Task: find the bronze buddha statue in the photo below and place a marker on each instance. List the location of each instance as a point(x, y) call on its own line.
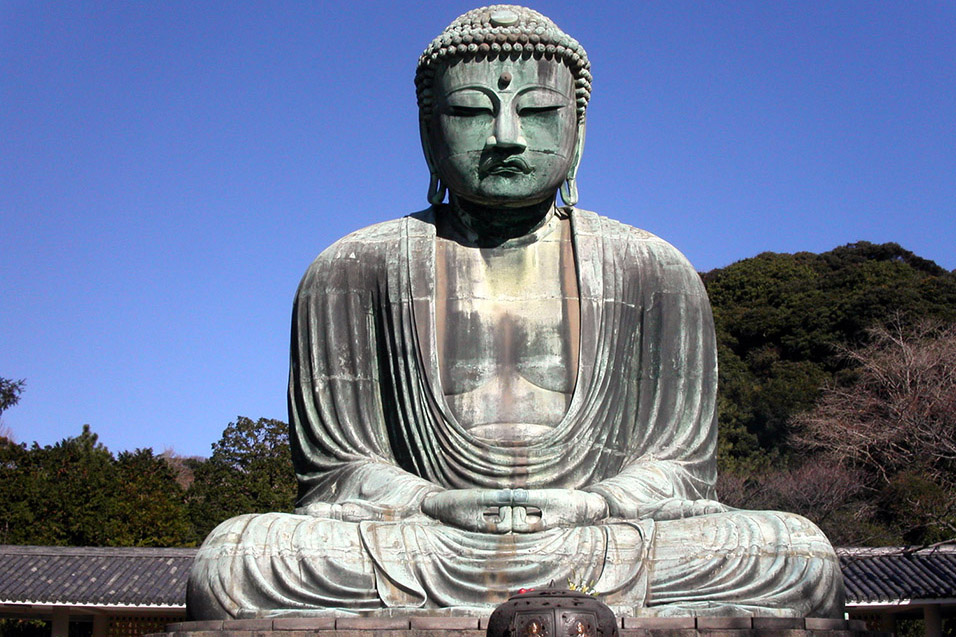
point(500, 391)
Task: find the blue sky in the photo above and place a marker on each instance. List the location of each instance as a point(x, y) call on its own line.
point(169, 169)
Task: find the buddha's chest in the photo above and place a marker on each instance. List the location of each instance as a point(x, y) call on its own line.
point(507, 328)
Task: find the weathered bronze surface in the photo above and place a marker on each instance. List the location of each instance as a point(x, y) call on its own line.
point(498, 392)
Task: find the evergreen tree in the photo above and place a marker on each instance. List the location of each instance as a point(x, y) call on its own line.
point(782, 321)
point(60, 494)
point(250, 471)
point(149, 509)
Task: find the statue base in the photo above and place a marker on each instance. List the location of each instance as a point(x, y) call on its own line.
point(442, 625)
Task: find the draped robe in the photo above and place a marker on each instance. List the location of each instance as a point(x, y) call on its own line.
point(372, 434)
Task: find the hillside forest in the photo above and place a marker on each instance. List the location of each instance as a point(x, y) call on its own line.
point(837, 401)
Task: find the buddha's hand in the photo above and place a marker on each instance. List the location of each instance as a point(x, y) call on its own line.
point(672, 509)
point(514, 510)
point(483, 510)
point(542, 509)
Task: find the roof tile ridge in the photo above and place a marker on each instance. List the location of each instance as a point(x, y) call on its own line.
point(105, 551)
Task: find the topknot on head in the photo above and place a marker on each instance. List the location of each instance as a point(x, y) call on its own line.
point(503, 31)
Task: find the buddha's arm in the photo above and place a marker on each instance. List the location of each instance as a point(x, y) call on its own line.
point(366, 490)
point(671, 465)
point(656, 489)
point(338, 423)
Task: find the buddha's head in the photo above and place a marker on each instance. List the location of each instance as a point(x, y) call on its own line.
point(502, 94)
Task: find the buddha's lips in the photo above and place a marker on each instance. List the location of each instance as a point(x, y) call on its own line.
point(508, 166)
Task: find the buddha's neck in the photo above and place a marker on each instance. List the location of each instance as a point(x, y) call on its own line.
point(490, 226)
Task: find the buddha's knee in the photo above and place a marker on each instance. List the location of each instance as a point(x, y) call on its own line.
point(283, 536)
point(229, 532)
point(251, 562)
point(737, 532)
point(779, 562)
point(814, 566)
point(804, 564)
point(788, 531)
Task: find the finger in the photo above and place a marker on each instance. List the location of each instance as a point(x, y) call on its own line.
point(542, 498)
point(535, 520)
point(596, 507)
point(710, 506)
point(492, 519)
point(519, 519)
point(428, 505)
point(505, 522)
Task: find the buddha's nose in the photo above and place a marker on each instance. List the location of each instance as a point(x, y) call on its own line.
point(507, 133)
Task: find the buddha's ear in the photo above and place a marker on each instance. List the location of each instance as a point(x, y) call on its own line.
point(436, 190)
point(569, 189)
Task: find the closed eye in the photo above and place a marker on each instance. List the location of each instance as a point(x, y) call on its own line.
point(539, 110)
point(469, 111)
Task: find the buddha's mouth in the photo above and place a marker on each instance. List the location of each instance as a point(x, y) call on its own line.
point(506, 167)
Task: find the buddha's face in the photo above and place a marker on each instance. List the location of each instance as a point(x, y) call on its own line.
point(503, 132)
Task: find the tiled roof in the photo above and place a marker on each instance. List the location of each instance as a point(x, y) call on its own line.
point(85, 576)
point(892, 574)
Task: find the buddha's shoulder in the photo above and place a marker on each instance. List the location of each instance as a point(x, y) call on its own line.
point(376, 239)
point(369, 238)
point(368, 248)
point(627, 239)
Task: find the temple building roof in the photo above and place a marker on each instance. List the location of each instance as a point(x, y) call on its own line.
point(898, 574)
point(87, 576)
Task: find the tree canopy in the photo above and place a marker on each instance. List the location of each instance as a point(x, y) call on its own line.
point(783, 321)
point(10, 391)
point(78, 493)
point(797, 331)
point(250, 471)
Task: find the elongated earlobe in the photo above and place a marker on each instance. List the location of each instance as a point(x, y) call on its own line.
point(569, 189)
point(436, 190)
point(569, 192)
